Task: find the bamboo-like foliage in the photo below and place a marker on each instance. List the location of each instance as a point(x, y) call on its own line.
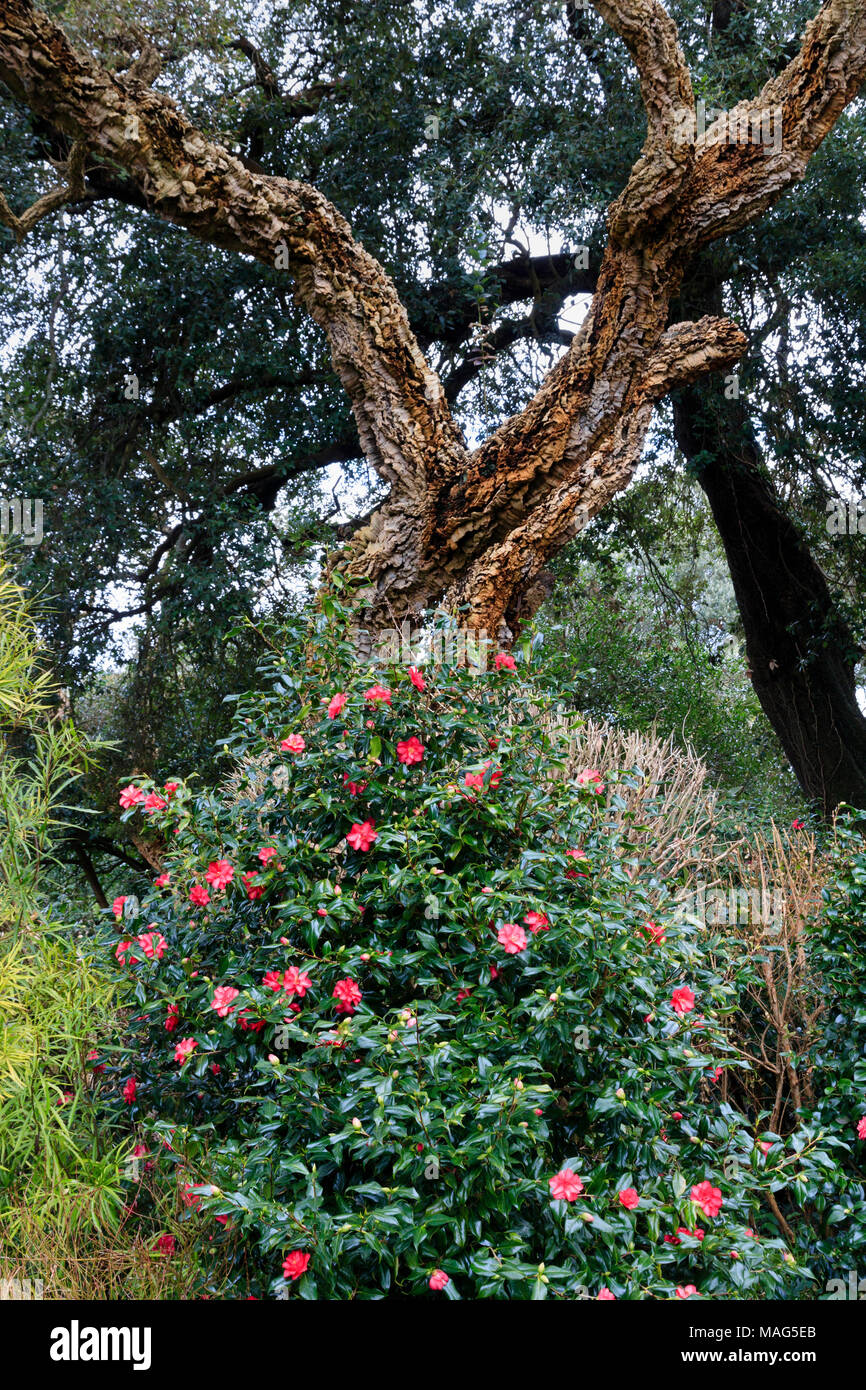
point(41, 755)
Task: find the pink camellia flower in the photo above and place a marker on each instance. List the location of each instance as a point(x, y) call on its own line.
point(296, 981)
point(222, 999)
point(336, 704)
point(165, 1245)
point(605, 1295)
point(655, 932)
point(591, 779)
point(362, 835)
point(628, 1198)
point(170, 788)
point(199, 896)
point(154, 802)
point(117, 907)
point(129, 1091)
point(463, 994)
point(92, 1056)
point(163, 881)
point(254, 890)
point(536, 922)
point(410, 750)
point(131, 796)
point(512, 937)
point(682, 1000)
point(172, 1018)
point(685, 1290)
point(295, 1264)
point(504, 661)
point(122, 948)
point(266, 855)
point(438, 1279)
point(697, 1234)
point(765, 1146)
point(378, 694)
point(184, 1050)
point(347, 993)
point(707, 1197)
point(153, 943)
point(293, 744)
point(565, 1186)
point(861, 1128)
point(219, 874)
point(417, 678)
point(273, 980)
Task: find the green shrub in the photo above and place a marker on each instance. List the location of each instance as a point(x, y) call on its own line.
point(417, 1128)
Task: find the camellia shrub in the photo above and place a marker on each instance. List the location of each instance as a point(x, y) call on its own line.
point(406, 1018)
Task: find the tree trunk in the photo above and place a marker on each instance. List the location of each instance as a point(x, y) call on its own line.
point(476, 529)
point(801, 652)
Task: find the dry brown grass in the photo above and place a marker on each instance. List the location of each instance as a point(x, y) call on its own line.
point(97, 1265)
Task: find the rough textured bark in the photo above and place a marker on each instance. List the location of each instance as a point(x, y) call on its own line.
point(801, 652)
point(477, 527)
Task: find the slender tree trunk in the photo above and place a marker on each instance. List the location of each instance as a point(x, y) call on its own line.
point(801, 652)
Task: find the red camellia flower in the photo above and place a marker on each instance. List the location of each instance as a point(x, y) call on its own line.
point(697, 1234)
point(686, 1290)
point(591, 779)
point(185, 1048)
point(265, 855)
point(353, 788)
point(336, 704)
point(153, 944)
point(410, 750)
point(163, 881)
point(504, 661)
point(628, 1198)
point(154, 802)
point(219, 874)
point(378, 694)
point(463, 994)
point(222, 999)
point(536, 922)
point(295, 1264)
point(347, 993)
point(361, 836)
point(512, 937)
point(438, 1279)
point(605, 1295)
point(92, 1057)
point(707, 1197)
point(131, 796)
point(417, 678)
point(254, 890)
point(565, 1186)
point(117, 907)
point(122, 948)
point(293, 744)
point(199, 896)
point(655, 933)
point(172, 1018)
point(165, 1245)
point(682, 1000)
point(797, 824)
point(129, 1091)
point(861, 1128)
